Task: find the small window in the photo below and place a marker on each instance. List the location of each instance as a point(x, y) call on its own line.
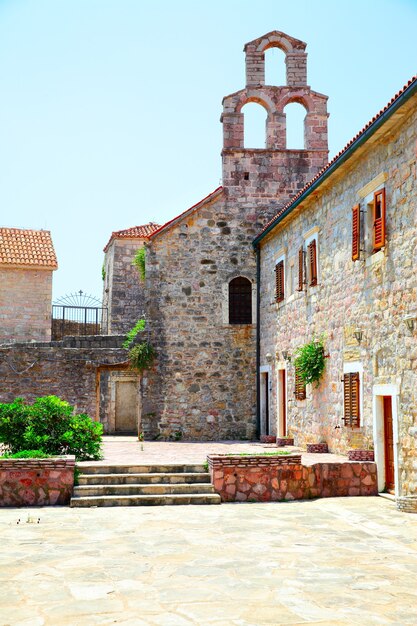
point(301, 271)
point(351, 400)
point(240, 301)
point(300, 386)
point(379, 220)
point(279, 282)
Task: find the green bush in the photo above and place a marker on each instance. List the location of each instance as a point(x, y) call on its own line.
point(49, 425)
point(139, 261)
point(141, 356)
point(310, 360)
point(27, 454)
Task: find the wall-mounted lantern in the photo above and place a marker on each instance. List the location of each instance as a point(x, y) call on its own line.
point(409, 320)
point(286, 356)
point(358, 334)
point(269, 357)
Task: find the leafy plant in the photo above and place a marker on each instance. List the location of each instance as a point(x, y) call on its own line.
point(132, 334)
point(141, 356)
point(103, 272)
point(310, 360)
point(139, 261)
point(27, 454)
point(50, 426)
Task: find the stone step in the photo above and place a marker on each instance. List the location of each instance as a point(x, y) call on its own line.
point(144, 478)
point(144, 500)
point(135, 489)
point(140, 469)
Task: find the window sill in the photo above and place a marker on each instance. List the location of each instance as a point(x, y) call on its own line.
point(376, 257)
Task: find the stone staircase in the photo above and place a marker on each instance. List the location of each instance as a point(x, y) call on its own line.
point(143, 485)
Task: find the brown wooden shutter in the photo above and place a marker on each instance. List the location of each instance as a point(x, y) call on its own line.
point(312, 260)
point(379, 219)
point(300, 269)
point(356, 232)
point(279, 282)
point(351, 399)
point(300, 386)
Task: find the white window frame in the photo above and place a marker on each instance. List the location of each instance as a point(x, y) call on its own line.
point(355, 367)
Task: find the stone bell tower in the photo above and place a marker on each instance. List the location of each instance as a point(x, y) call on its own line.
point(273, 173)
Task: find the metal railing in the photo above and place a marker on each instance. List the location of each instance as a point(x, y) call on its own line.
point(77, 321)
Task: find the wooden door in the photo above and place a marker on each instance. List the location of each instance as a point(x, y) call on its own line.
point(126, 416)
point(389, 445)
point(265, 429)
point(282, 399)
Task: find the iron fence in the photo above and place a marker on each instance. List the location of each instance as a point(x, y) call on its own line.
point(78, 320)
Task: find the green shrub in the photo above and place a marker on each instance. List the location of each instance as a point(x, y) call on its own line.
point(131, 335)
point(49, 425)
point(310, 361)
point(139, 261)
point(27, 454)
point(141, 356)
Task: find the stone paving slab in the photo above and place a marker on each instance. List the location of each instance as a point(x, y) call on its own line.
point(127, 450)
point(329, 562)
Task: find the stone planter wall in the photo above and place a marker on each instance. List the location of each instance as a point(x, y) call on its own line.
point(36, 482)
point(267, 438)
point(361, 455)
point(284, 441)
point(317, 448)
point(262, 479)
point(407, 504)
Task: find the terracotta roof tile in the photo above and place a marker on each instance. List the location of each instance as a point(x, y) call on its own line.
point(29, 248)
point(338, 156)
point(139, 232)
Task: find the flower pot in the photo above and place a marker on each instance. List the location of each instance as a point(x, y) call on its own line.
point(268, 438)
point(361, 455)
point(285, 441)
point(317, 448)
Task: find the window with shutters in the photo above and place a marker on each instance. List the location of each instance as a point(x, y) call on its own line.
point(356, 233)
point(308, 267)
point(300, 387)
point(312, 262)
point(351, 394)
point(378, 220)
point(240, 301)
point(280, 281)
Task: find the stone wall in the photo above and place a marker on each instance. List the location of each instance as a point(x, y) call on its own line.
point(25, 304)
point(36, 482)
point(275, 478)
point(69, 369)
point(374, 294)
point(123, 289)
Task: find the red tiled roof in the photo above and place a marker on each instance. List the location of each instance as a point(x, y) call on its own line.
point(29, 248)
point(187, 211)
point(136, 232)
point(338, 157)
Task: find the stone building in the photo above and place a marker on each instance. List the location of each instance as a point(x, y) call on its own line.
point(27, 260)
point(340, 259)
point(123, 293)
point(200, 286)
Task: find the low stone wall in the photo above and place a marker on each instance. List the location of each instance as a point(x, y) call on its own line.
point(36, 482)
point(407, 504)
point(275, 478)
point(361, 455)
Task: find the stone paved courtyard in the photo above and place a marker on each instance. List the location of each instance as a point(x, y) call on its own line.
point(327, 562)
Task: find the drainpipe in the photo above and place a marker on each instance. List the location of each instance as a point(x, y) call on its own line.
point(258, 340)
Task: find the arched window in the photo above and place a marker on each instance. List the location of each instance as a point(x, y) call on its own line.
point(275, 71)
point(295, 116)
point(254, 123)
point(240, 301)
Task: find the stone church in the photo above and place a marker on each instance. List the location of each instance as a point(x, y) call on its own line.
point(199, 293)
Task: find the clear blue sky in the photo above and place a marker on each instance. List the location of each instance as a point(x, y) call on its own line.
point(109, 109)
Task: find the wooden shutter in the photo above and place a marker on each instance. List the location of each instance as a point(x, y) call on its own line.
point(356, 232)
point(300, 386)
point(279, 282)
point(379, 219)
point(312, 260)
point(351, 399)
point(300, 269)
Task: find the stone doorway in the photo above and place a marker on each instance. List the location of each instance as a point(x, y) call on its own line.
point(388, 445)
point(386, 436)
point(120, 402)
point(265, 409)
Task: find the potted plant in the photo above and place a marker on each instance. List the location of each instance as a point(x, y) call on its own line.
point(285, 440)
